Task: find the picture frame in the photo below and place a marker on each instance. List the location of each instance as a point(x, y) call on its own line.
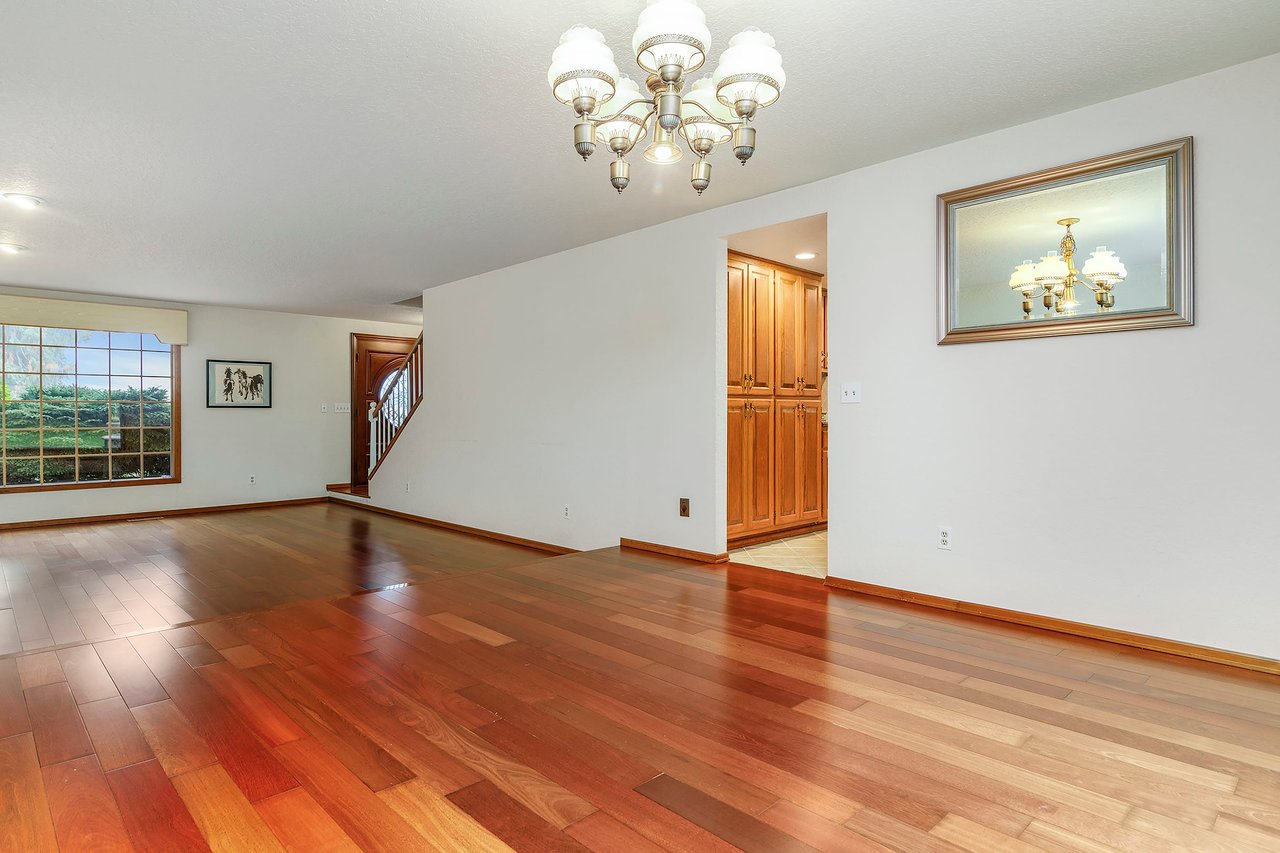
point(235, 384)
point(1014, 256)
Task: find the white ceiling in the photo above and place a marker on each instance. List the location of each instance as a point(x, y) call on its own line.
point(336, 156)
point(782, 241)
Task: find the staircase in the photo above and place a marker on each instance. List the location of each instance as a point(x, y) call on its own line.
point(400, 398)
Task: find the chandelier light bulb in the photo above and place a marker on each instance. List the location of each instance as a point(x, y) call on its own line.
point(1024, 278)
point(750, 74)
point(583, 74)
point(22, 200)
point(663, 151)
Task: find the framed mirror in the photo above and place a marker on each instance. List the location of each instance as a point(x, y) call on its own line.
point(1099, 246)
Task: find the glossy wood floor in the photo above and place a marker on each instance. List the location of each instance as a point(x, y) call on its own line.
point(62, 585)
point(625, 701)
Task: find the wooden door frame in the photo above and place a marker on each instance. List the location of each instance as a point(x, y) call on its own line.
point(357, 409)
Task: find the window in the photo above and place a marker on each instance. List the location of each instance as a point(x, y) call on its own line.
point(86, 408)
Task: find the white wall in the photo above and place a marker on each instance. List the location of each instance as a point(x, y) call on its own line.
point(595, 378)
point(292, 448)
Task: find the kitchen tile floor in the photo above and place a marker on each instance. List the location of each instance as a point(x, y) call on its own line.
point(801, 555)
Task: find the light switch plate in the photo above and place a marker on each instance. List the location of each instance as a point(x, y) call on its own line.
point(342, 408)
point(324, 408)
point(850, 392)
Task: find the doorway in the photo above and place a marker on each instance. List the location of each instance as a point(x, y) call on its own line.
point(776, 397)
point(374, 360)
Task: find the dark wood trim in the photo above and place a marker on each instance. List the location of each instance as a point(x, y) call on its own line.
point(773, 534)
point(1064, 626)
point(459, 528)
point(748, 258)
point(356, 409)
point(682, 553)
point(155, 513)
point(175, 447)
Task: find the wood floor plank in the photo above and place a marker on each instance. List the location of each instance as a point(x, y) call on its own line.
point(136, 683)
point(226, 819)
point(40, 668)
point(176, 744)
point(301, 825)
point(435, 817)
point(25, 821)
point(114, 733)
point(510, 821)
point(88, 678)
point(85, 816)
point(723, 821)
point(370, 822)
point(55, 721)
point(154, 815)
point(13, 705)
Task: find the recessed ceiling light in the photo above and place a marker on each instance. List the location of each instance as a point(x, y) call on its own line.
point(12, 248)
point(806, 256)
point(22, 200)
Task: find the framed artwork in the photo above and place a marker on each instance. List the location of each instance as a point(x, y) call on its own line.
point(238, 384)
point(1099, 246)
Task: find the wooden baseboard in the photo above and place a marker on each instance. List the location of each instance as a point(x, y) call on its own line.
point(155, 513)
point(1064, 626)
point(682, 553)
point(459, 528)
point(773, 535)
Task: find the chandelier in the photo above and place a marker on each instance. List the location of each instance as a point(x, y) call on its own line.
point(671, 41)
point(1055, 277)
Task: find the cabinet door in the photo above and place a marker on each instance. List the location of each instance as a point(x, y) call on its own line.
point(826, 472)
point(786, 443)
point(758, 447)
point(787, 330)
point(809, 461)
point(760, 330)
point(809, 337)
point(739, 328)
point(736, 482)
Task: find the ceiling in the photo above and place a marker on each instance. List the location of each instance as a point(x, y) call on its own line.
point(337, 156)
point(781, 242)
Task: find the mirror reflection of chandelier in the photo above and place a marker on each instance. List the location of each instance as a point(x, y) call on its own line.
point(1055, 277)
point(671, 41)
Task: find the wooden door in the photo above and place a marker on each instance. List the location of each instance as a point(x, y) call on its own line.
point(787, 331)
point(786, 444)
point(808, 469)
point(760, 330)
point(739, 328)
point(809, 337)
point(373, 359)
point(758, 450)
point(737, 481)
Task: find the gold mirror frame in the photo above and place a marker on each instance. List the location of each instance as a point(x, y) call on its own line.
point(1177, 153)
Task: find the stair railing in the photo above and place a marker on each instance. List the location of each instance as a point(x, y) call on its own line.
point(388, 416)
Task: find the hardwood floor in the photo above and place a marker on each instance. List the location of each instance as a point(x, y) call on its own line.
point(92, 582)
point(623, 701)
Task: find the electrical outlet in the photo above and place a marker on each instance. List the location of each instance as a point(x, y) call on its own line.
point(252, 479)
point(324, 407)
point(566, 510)
point(945, 539)
point(684, 507)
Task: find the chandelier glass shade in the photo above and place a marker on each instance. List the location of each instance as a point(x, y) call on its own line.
point(1055, 277)
point(670, 42)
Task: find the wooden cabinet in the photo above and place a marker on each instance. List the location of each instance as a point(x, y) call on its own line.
point(750, 469)
point(750, 343)
point(798, 334)
point(776, 356)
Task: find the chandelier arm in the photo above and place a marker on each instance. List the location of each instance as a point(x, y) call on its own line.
point(603, 119)
point(727, 125)
point(1080, 277)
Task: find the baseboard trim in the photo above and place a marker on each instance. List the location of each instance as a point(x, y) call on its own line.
point(1065, 626)
point(763, 536)
point(682, 553)
point(156, 513)
point(457, 528)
